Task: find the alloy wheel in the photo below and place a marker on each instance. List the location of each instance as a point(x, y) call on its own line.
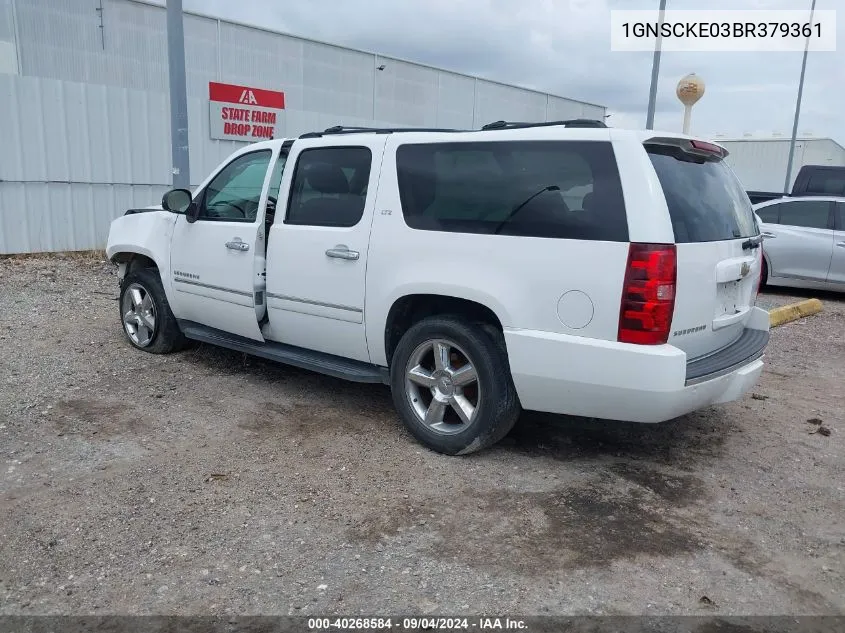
point(442, 386)
point(139, 315)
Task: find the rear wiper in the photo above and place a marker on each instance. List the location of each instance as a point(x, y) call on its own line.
point(517, 208)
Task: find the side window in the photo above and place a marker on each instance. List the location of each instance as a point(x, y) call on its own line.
point(330, 186)
point(812, 214)
point(840, 216)
point(769, 214)
point(554, 189)
point(234, 193)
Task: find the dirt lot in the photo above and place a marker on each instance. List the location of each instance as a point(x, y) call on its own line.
point(208, 482)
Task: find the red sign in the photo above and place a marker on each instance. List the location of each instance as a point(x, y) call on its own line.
point(245, 95)
point(243, 113)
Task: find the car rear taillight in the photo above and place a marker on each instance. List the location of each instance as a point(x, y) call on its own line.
point(648, 294)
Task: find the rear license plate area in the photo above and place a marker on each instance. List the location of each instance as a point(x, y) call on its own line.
point(727, 298)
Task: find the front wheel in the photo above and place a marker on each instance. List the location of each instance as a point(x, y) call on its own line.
point(452, 386)
point(145, 313)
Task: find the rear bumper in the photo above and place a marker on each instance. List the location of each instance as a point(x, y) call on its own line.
point(559, 373)
point(749, 347)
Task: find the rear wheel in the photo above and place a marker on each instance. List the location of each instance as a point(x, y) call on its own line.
point(764, 276)
point(148, 322)
point(452, 386)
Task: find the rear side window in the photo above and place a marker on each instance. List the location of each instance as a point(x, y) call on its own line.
point(555, 189)
point(706, 201)
point(813, 214)
point(329, 186)
point(840, 216)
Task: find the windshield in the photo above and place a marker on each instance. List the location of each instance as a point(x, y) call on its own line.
point(706, 201)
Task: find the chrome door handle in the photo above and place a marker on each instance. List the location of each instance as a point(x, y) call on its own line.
point(237, 245)
point(769, 235)
point(341, 251)
point(842, 244)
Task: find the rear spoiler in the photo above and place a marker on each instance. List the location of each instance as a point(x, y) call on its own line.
point(690, 146)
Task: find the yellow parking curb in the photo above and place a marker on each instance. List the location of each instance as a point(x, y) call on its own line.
point(794, 311)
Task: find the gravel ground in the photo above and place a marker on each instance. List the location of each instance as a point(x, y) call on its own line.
point(209, 482)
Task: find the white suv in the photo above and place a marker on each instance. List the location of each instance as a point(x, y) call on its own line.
point(564, 267)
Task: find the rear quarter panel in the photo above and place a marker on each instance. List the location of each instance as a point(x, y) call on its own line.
point(521, 279)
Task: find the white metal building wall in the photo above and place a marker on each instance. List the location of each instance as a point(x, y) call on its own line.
point(761, 163)
point(87, 133)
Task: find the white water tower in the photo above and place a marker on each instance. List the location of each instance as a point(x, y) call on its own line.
point(690, 89)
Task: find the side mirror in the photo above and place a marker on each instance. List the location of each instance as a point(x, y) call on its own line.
point(176, 201)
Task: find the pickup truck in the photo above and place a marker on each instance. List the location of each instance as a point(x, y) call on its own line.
point(812, 180)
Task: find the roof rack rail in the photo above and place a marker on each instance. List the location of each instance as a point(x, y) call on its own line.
point(513, 125)
point(343, 129)
point(496, 125)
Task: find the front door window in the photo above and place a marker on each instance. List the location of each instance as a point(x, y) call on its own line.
point(233, 195)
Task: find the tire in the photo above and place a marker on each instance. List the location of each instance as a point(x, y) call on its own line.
point(491, 396)
point(148, 323)
point(764, 276)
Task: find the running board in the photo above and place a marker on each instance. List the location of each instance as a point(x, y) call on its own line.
point(320, 362)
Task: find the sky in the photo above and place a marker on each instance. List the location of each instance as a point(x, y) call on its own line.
point(563, 47)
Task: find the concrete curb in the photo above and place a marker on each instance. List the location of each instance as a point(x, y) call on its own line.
point(794, 311)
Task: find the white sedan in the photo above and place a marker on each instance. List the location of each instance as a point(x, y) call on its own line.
point(803, 242)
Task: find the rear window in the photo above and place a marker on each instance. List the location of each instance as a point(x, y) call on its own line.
point(555, 189)
point(706, 201)
point(827, 182)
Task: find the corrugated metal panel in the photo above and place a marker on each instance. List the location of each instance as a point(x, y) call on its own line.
point(406, 94)
point(823, 152)
point(455, 101)
point(337, 81)
point(88, 131)
point(761, 164)
point(594, 112)
point(200, 54)
point(8, 58)
point(61, 39)
point(71, 162)
point(42, 217)
point(254, 57)
point(562, 109)
point(494, 102)
point(7, 28)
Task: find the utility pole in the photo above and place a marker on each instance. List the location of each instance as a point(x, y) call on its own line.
point(655, 71)
point(788, 180)
point(178, 95)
